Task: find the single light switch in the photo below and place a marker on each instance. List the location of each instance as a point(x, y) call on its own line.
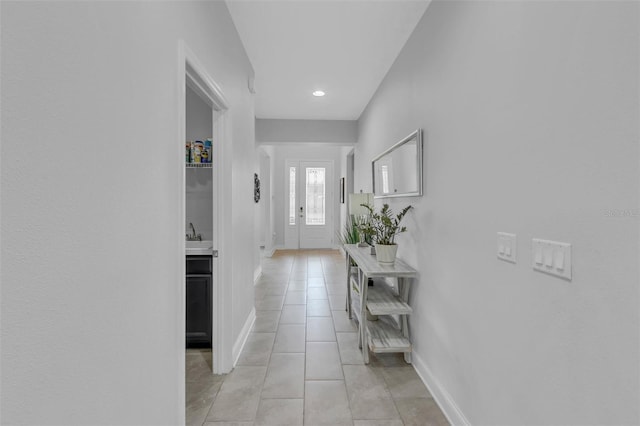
point(559, 260)
point(538, 255)
point(552, 257)
point(507, 247)
point(548, 259)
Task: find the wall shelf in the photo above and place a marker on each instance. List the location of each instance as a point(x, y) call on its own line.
point(198, 165)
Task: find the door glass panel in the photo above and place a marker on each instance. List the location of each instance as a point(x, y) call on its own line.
point(292, 196)
point(315, 187)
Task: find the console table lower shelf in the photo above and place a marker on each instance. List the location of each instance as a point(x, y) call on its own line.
point(383, 337)
point(377, 295)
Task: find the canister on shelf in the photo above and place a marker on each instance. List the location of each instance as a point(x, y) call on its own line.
point(198, 147)
point(207, 148)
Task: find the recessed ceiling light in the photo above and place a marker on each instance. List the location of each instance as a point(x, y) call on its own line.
point(318, 93)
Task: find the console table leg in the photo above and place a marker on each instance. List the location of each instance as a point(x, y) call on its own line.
point(405, 333)
point(348, 309)
point(363, 283)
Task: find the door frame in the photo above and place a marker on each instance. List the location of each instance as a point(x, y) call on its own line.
point(329, 186)
point(191, 72)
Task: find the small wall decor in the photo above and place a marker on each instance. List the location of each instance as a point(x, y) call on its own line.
point(256, 188)
point(341, 190)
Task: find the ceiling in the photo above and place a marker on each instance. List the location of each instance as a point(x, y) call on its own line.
point(343, 47)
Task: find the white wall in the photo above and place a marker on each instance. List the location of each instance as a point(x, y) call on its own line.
point(92, 235)
point(199, 117)
point(264, 232)
point(530, 112)
point(313, 152)
point(199, 202)
point(302, 131)
point(199, 185)
point(267, 170)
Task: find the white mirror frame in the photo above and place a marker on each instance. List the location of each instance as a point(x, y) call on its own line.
point(417, 135)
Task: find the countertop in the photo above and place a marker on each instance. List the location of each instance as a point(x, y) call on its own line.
point(199, 248)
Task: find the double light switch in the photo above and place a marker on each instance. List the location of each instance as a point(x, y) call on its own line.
point(552, 257)
point(507, 246)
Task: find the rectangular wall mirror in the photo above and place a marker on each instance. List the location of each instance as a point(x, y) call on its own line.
point(397, 172)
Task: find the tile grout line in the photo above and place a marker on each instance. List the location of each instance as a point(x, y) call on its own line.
point(299, 259)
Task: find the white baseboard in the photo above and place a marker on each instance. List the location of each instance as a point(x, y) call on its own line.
point(269, 253)
point(256, 274)
point(244, 335)
point(444, 400)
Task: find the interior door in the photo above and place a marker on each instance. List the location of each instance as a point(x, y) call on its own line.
point(310, 205)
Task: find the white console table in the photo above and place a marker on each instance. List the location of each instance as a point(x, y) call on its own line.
point(389, 333)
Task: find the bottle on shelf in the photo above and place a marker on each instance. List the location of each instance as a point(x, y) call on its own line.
point(198, 147)
point(207, 148)
point(187, 156)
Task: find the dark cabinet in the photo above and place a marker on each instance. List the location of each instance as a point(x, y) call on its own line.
point(199, 303)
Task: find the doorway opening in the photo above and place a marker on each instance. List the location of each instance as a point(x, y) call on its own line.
point(309, 204)
point(195, 81)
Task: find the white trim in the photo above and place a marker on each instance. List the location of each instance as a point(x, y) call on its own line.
point(256, 274)
point(192, 73)
point(445, 401)
point(181, 300)
point(278, 247)
point(270, 252)
point(244, 335)
point(202, 83)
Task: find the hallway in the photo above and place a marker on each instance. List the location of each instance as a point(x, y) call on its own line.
point(301, 363)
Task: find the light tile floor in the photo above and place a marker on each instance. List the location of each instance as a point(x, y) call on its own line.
point(301, 364)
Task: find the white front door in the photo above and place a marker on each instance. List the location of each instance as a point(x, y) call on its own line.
point(310, 204)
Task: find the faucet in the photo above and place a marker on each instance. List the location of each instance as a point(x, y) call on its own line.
point(193, 236)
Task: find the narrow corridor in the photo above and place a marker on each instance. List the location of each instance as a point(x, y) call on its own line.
point(301, 363)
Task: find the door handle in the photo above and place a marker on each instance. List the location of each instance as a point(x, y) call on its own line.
point(301, 210)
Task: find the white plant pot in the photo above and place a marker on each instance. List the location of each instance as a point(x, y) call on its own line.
point(386, 254)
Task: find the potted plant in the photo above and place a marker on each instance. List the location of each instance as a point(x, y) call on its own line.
point(349, 233)
point(383, 227)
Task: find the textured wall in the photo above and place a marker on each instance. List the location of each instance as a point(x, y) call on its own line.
point(530, 115)
point(92, 233)
point(297, 131)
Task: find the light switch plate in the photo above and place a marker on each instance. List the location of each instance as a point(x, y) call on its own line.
point(551, 257)
point(507, 247)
